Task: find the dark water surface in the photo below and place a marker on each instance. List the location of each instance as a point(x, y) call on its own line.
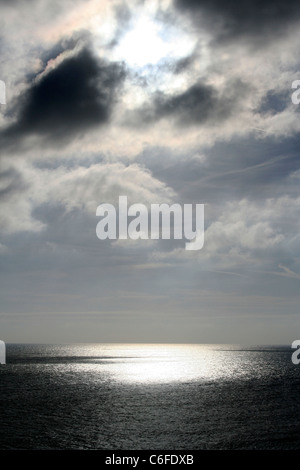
point(168, 397)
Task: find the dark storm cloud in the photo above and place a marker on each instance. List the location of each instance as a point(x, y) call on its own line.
point(77, 94)
point(197, 105)
point(234, 19)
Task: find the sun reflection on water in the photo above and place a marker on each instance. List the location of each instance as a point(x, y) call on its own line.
point(165, 363)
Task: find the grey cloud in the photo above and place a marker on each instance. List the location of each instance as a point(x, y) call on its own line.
point(123, 16)
point(77, 94)
point(250, 18)
point(199, 104)
point(275, 102)
point(11, 182)
point(184, 64)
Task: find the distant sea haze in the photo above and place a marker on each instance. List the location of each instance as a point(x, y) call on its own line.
point(149, 396)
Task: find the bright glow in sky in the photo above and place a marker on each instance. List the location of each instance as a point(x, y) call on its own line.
point(147, 43)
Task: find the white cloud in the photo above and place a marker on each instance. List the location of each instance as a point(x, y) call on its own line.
point(82, 188)
point(244, 234)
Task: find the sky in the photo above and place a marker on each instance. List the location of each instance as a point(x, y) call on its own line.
point(171, 101)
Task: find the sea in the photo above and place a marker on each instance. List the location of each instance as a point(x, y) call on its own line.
point(149, 396)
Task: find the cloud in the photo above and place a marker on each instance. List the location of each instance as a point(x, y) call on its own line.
point(242, 229)
point(253, 19)
point(287, 272)
point(199, 104)
point(11, 181)
point(245, 235)
point(79, 189)
point(86, 188)
point(72, 94)
point(275, 101)
point(17, 194)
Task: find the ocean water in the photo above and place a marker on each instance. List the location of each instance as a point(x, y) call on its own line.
point(142, 396)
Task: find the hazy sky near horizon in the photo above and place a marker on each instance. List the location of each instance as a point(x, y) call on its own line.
point(179, 101)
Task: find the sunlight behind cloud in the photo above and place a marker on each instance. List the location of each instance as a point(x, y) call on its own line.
point(148, 43)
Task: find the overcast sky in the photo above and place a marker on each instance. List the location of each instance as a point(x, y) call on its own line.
point(179, 101)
